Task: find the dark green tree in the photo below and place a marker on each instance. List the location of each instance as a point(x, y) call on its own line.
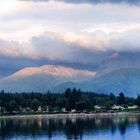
point(138, 100)
point(80, 106)
point(35, 103)
point(121, 99)
point(12, 105)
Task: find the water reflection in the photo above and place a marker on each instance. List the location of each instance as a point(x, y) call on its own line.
point(75, 127)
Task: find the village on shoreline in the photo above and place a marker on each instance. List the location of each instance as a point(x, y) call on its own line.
point(116, 109)
point(72, 101)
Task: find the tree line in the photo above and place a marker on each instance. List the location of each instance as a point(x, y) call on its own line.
point(70, 99)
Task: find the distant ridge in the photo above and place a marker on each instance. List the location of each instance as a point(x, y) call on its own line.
point(43, 78)
point(57, 78)
point(123, 80)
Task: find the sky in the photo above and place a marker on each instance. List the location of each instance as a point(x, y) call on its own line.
point(82, 34)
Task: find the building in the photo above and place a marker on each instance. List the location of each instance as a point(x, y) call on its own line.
point(96, 107)
point(117, 107)
point(39, 109)
point(73, 110)
point(133, 107)
point(64, 110)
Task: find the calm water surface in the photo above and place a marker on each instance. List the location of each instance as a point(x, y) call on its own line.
point(116, 127)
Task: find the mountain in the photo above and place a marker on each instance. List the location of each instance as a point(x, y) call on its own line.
point(41, 79)
point(117, 61)
point(125, 80)
point(58, 78)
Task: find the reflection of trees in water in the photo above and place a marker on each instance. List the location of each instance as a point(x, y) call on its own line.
point(113, 127)
point(72, 127)
point(123, 125)
point(139, 124)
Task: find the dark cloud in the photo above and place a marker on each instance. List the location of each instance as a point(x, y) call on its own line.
point(46, 49)
point(10, 65)
point(50, 50)
point(96, 1)
point(103, 1)
point(74, 50)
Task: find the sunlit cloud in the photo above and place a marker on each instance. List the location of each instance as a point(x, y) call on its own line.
point(27, 18)
point(80, 33)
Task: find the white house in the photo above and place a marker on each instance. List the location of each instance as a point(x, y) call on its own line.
point(64, 110)
point(117, 107)
point(133, 107)
point(97, 107)
point(73, 110)
point(39, 109)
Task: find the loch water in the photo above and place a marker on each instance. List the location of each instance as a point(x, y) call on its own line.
point(71, 127)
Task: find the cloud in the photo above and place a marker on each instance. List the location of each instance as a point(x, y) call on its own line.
point(97, 41)
point(48, 48)
point(80, 34)
point(15, 49)
point(27, 18)
point(82, 51)
point(93, 1)
point(68, 46)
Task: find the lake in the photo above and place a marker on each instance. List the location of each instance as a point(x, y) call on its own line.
point(71, 127)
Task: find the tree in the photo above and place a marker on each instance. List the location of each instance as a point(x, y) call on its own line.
point(121, 99)
point(68, 92)
point(35, 103)
point(80, 105)
point(61, 102)
point(12, 105)
point(112, 97)
point(72, 96)
point(138, 100)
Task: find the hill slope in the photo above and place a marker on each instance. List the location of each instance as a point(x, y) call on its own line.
point(41, 79)
point(58, 78)
point(123, 80)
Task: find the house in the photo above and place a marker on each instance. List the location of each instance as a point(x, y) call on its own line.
point(39, 109)
point(133, 107)
point(47, 108)
point(64, 110)
point(73, 110)
point(96, 107)
point(23, 110)
point(28, 109)
point(117, 107)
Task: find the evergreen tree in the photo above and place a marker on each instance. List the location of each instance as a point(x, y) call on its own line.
point(138, 100)
point(121, 99)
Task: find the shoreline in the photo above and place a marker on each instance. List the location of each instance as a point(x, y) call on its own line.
point(62, 115)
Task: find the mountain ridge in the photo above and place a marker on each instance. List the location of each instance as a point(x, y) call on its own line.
point(125, 80)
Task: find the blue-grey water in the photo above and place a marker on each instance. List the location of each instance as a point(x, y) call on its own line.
point(108, 127)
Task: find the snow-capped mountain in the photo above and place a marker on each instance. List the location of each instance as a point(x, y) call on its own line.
point(58, 78)
point(43, 78)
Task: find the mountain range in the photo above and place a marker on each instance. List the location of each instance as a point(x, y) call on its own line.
point(115, 76)
point(41, 79)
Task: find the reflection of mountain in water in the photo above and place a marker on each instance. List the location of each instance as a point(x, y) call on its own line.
point(71, 127)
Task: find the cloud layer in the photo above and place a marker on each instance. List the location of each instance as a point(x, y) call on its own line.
point(80, 34)
point(95, 1)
